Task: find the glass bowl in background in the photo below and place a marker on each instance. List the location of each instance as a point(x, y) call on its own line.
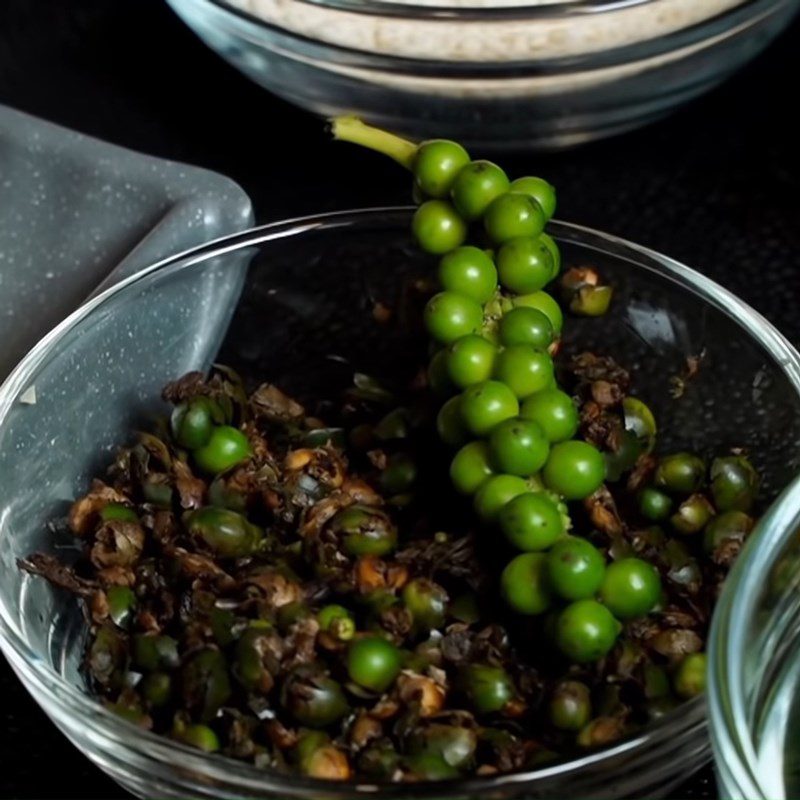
point(490, 73)
point(754, 697)
point(304, 320)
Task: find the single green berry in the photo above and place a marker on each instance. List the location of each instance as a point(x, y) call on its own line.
point(495, 492)
point(373, 663)
point(518, 447)
point(471, 467)
point(437, 227)
point(512, 215)
point(476, 186)
point(524, 265)
point(468, 271)
point(531, 521)
point(487, 404)
point(436, 164)
point(524, 585)
point(524, 370)
point(449, 316)
point(631, 588)
point(554, 411)
point(527, 326)
point(575, 568)
point(574, 469)
point(470, 360)
point(586, 631)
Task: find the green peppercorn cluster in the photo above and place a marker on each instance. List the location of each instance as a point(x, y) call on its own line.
point(494, 328)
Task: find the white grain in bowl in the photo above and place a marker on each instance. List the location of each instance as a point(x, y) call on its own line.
point(484, 38)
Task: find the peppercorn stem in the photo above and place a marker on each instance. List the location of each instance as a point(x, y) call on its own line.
point(352, 129)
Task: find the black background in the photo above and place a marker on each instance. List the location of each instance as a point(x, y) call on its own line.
point(717, 185)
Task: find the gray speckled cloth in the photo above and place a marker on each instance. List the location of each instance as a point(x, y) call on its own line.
point(77, 214)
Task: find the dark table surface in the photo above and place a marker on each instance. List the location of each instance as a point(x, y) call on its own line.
point(717, 185)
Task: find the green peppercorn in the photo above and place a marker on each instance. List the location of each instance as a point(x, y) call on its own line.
point(437, 227)
point(453, 743)
point(221, 495)
point(512, 215)
point(201, 737)
point(471, 467)
point(681, 472)
point(631, 588)
point(531, 521)
point(640, 420)
point(121, 605)
point(476, 186)
point(518, 447)
point(431, 767)
point(374, 663)
point(449, 316)
point(337, 621)
point(654, 505)
point(394, 425)
point(524, 265)
point(591, 301)
point(156, 689)
point(554, 411)
point(540, 190)
point(488, 689)
point(554, 252)
point(570, 706)
point(523, 369)
point(157, 494)
point(586, 631)
point(228, 534)
point(527, 326)
point(312, 698)
point(692, 515)
point(624, 458)
point(689, 679)
point(152, 653)
point(734, 483)
point(495, 492)
point(436, 164)
point(574, 469)
point(118, 512)
point(439, 375)
point(400, 473)
point(465, 608)
point(254, 665)
point(450, 422)
point(487, 404)
point(470, 360)
point(656, 682)
point(575, 568)
point(733, 525)
point(226, 448)
point(204, 683)
point(427, 602)
point(193, 421)
point(468, 271)
point(365, 530)
point(524, 585)
point(543, 302)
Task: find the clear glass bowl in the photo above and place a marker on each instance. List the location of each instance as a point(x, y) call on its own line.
point(754, 698)
point(497, 74)
point(302, 317)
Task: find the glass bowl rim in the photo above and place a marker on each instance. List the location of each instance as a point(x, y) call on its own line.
point(556, 9)
point(727, 703)
point(105, 723)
